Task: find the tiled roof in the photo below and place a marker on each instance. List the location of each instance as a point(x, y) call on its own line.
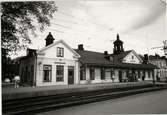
point(92, 57)
point(119, 57)
point(98, 59)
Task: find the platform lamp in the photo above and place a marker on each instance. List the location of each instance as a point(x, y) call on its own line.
point(165, 47)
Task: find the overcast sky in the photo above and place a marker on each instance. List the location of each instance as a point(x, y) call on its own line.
point(95, 23)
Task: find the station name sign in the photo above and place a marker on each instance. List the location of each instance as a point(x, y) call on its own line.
point(59, 62)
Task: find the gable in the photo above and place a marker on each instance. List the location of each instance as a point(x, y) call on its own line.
point(52, 50)
point(132, 57)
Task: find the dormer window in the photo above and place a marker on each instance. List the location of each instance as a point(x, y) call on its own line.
point(60, 52)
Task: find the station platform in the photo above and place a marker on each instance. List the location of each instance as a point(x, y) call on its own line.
point(25, 92)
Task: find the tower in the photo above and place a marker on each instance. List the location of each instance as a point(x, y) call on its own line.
point(49, 39)
point(118, 46)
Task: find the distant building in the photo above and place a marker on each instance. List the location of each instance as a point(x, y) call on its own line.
point(9, 68)
point(59, 64)
point(161, 63)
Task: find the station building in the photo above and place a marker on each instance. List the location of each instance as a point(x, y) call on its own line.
point(58, 64)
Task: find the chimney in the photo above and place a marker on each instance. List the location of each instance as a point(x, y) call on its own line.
point(156, 55)
point(106, 55)
point(105, 52)
point(80, 47)
point(146, 58)
point(31, 52)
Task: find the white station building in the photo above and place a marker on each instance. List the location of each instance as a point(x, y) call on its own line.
point(58, 64)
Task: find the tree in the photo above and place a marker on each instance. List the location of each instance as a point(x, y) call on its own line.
point(19, 19)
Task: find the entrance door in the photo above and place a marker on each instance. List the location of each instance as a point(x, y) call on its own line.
point(70, 74)
point(134, 76)
point(120, 76)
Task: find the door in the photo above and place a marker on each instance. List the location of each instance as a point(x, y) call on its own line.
point(120, 76)
point(134, 78)
point(70, 74)
point(47, 70)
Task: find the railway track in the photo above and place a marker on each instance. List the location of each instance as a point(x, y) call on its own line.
point(45, 103)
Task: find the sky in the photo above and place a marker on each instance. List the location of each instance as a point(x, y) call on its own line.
point(141, 25)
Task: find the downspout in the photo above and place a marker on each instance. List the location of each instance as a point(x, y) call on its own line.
point(153, 77)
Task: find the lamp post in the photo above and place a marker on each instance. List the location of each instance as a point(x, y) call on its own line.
point(165, 51)
point(165, 47)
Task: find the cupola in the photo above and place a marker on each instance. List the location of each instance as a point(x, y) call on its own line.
point(118, 46)
point(49, 39)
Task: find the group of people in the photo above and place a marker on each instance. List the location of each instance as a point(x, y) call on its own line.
point(16, 81)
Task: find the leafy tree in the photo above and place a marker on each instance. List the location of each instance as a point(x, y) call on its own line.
point(19, 19)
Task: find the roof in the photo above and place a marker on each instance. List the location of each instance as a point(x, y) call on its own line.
point(98, 59)
point(119, 57)
point(30, 53)
point(157, 57)
point(18, 58)
point(92, 57)
point(57, 42)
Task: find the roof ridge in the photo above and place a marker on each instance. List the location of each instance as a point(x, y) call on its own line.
point(89, 51)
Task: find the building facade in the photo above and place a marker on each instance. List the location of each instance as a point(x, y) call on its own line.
point(161, 63)
point(121, 66)
point(50, 65)
point(58, 64)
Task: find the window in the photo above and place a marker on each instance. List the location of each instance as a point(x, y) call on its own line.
point(92, 73)
point(60, 52)
point(47, 70)
point(60, 73)
point(82, 73)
